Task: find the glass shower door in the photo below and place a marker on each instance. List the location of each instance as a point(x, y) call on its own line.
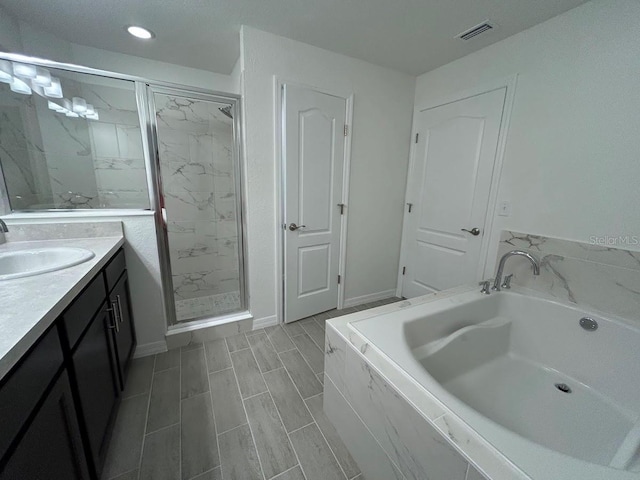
point(199, 190)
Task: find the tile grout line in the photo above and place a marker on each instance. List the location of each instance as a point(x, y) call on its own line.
point(213, 412)
point(146, 418)
point(305, 404)
point(304, 426)
point(279, 416)
point(275, 477)
point(283, 427)
point(146, 433)
point(237, 426)
point(308, 365)
point(313, 341)
point(304, 401)
point(253, 439)
point(327, 442)
point(180, 409)
point(342, 394)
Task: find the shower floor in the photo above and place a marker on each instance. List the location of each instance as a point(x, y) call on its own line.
point(207, 306)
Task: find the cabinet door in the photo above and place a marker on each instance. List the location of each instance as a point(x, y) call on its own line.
point(51, 446)
point(125, 336)
point(97, 382)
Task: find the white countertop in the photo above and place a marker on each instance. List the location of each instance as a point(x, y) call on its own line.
point(29, 305)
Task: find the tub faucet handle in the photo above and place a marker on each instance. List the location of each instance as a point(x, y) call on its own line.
point(486, 287)
point(507, 281)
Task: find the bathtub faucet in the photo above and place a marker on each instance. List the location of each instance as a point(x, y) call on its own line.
point(534, 261)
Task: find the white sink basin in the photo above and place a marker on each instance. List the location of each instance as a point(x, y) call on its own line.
point(24, 263)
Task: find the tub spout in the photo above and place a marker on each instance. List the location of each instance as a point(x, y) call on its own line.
point(534, 261)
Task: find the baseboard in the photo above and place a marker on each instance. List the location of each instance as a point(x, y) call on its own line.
point(265, 322)
point(372, 297)
point(150, 349)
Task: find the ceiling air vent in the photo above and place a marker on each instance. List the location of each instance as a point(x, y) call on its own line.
point(475, 31)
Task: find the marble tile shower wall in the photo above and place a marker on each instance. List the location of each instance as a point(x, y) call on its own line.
point(196, 146)
point(595, 275)
point(21, 152)
point(52, 161)
point(116, 143)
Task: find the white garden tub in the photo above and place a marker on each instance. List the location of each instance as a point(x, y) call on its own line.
point(557, 399)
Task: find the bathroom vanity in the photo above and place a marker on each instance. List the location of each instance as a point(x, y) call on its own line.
point(67, 340)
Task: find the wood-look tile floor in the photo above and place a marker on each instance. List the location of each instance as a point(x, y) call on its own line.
point(241, 408)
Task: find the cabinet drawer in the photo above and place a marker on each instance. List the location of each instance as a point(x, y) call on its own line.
point(25, 385)
point(83, 308)
point(114, 269)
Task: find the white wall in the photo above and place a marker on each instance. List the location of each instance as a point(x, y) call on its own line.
point(380, 147)
point(572, 160)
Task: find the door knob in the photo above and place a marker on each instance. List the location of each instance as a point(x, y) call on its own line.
point(474, 231)
point(293, 227)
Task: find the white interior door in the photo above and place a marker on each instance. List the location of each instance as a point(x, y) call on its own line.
point(448, 191)
point(314, 156)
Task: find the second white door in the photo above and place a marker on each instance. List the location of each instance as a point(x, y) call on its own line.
point(448, 190)
point(314, 158)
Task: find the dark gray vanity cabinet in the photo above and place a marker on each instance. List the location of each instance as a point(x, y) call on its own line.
point(58, 404)
point(97, 383)
point(40, 436)
point(117, 283)
point(51, 446)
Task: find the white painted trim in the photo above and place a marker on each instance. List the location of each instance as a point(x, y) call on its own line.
point(371, 297)
point(278, 84)
point(150, 349)
point(263, 322)
point(346, 176)
point(509, 83)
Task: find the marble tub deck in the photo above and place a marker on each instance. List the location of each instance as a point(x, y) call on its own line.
point(248, 406)
point(398, 429)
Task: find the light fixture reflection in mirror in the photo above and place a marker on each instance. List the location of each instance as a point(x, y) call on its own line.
point(28, 79)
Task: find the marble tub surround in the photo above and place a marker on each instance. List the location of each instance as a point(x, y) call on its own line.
point(603, 278)
point(419, 436)
point(29, 305)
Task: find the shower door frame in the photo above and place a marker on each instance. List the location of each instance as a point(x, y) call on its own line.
point(145, 94)
point(146, 115)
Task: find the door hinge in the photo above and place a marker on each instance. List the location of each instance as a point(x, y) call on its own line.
point(346, 130)
point(417, 135)
point(404, 270)
point(339, 279)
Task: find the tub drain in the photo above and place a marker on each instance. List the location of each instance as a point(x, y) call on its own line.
point(563, 387)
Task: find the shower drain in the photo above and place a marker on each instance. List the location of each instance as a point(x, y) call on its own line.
point(563, 387)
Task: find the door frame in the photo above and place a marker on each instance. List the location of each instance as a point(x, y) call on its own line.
point(147, 112)
point(509, 83)
point(348, 97)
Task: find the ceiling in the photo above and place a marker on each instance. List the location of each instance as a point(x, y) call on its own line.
point(412, 36)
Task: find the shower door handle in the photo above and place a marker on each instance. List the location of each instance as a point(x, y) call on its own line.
point(293, 227)
point(163, 211)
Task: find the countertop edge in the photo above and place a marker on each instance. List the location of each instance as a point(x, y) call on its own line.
point(11, 358)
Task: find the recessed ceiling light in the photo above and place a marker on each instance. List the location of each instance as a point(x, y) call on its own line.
point(140, 32)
